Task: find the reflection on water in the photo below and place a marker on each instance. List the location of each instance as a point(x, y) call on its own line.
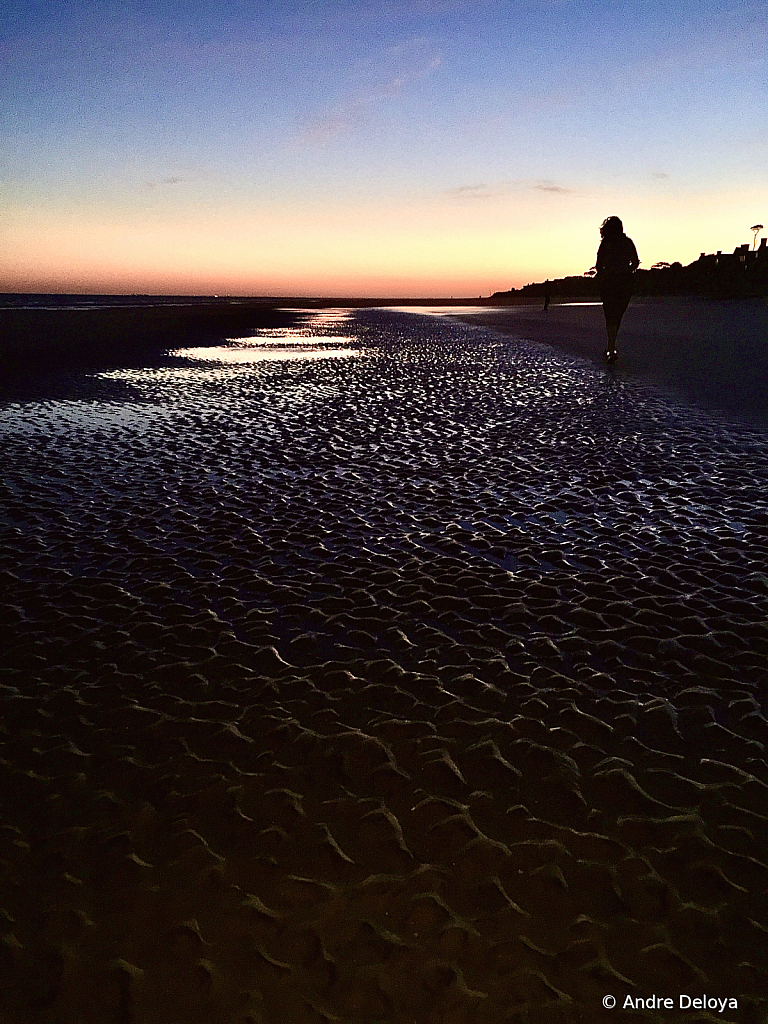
point(300, 358)
point(437, 310)
point(332, 315)
point(524, 307)
point(253, 350)
point(316, 338)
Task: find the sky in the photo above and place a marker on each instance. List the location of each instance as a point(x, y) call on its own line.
point(389, 148)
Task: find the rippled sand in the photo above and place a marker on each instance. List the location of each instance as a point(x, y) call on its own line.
point(424, 684)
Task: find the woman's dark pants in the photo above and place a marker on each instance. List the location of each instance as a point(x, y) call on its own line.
point(615, 291)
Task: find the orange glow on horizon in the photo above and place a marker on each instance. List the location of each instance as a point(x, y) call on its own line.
point(422, 248)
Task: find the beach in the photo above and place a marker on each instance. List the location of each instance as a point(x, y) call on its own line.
point(46, 333)
point(712, 352)
point(384, 667)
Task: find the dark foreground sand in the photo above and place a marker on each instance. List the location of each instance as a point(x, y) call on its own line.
point(714, 352)
point(422, 686)
point(35, 339)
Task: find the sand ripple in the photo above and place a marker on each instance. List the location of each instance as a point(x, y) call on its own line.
point(423, 686)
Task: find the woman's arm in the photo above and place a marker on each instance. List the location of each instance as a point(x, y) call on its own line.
point(634, 259)
point(600, 258)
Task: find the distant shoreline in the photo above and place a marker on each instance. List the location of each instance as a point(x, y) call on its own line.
point(54, 300)
point(99, 301)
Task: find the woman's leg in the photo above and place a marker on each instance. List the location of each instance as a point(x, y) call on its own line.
point(616, 296)
point(612, 321)
point(612, 330)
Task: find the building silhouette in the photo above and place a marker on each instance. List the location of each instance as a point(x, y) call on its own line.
point(741, 274)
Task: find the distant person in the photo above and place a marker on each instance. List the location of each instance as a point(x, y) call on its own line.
point(615, 264)
point(546, 295)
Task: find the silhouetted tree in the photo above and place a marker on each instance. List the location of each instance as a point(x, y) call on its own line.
point(756, 228)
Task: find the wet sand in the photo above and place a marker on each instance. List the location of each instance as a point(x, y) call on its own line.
point(424, 683)
point(36, 339)
point(712, 352)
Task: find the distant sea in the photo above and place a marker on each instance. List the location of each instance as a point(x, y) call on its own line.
point(45, 300)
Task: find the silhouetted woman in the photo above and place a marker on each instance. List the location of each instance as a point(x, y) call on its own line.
point(615, 264)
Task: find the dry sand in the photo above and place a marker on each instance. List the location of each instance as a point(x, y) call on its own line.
point(426, 685)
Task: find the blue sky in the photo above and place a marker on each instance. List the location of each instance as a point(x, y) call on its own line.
point(425, 147)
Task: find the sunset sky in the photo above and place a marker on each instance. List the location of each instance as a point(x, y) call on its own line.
point(386, 148)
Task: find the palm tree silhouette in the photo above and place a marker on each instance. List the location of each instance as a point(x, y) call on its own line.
point(756, 228)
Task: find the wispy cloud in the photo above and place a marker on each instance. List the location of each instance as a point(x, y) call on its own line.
point(173, 180)
point(468, 190)
point(327, 127)
point(549, 187)
point(483, 191)
point(659, 174)
point(507, 187)
point(736, 41)
point(347, 116)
